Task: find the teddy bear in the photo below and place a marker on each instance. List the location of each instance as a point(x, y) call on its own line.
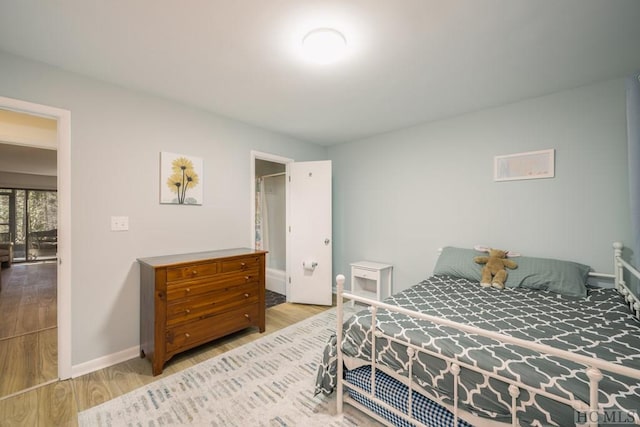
point(494, 267)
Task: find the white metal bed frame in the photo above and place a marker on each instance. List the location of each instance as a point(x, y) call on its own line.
point(593, 366)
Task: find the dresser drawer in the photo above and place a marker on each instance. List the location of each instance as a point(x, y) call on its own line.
point(186, 289)
point(366, 274)
point(191, 271)
point(212, 303)
point(190, 334)
point(241, 264)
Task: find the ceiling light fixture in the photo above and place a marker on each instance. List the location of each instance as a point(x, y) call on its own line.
point(324, 45)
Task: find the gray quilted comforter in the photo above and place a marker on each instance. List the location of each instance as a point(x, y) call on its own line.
point(599, 326)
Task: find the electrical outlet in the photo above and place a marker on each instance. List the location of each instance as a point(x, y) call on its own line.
point(119, 223)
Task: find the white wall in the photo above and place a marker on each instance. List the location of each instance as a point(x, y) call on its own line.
point(400, 196)
point(116, 138)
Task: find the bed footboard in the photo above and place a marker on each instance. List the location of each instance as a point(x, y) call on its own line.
point(621, 266)
point(592, 367)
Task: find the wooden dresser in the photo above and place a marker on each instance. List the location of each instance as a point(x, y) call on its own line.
point(189, 299)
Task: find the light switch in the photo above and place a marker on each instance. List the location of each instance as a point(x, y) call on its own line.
point(119, 223)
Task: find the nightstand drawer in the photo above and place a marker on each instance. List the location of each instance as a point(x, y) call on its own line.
point(366, 274)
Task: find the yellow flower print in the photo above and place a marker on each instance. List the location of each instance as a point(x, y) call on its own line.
point(183, 178)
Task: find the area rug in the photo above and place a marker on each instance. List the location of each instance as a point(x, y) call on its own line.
point(268, 382)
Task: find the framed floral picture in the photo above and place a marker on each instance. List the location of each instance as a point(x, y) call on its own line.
point(181, 179)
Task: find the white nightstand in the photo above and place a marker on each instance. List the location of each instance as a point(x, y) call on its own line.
point(371, 280)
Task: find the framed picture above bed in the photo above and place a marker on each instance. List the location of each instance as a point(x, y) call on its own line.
point(529, 165)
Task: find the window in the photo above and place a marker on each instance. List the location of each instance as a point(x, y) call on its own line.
point(28, 219)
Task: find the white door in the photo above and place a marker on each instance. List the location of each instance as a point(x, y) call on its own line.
point(309, 233)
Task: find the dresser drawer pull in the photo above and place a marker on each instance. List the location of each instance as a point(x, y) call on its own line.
point(187, 311)
point(194, 272)
point(243, 264)
point(187, 290)
point(247, 278)
point(246, 315)
point(246, 295)
point(187, 335)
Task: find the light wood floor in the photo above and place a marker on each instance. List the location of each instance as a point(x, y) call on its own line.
point(58, 404)
point(28, 332)
point(28, 300)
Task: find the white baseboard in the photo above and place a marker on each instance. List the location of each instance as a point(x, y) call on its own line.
point(104, 361)
point(276, 281)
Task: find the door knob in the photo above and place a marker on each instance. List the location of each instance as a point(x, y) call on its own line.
point(326, 242)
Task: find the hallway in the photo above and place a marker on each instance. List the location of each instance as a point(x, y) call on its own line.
point(28, 327)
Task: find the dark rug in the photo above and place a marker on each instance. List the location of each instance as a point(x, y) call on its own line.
point(273, 298)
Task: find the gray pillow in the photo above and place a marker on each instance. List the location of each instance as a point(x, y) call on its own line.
point(458, 262)
point(563, 277)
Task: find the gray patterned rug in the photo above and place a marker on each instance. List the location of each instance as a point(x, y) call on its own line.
point(268, 382)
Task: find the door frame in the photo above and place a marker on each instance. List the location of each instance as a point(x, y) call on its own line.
point(259, 155)
point(63, 118)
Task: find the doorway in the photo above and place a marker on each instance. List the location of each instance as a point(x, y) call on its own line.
point(51, 239)
point(269, 208)
point(307, 236)
point(28, 232)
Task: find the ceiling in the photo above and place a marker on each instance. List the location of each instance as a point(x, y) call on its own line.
point(27, 160)
point(28, 144)
point(409, 61)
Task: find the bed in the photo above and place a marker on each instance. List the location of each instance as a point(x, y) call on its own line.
point(548, 350)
